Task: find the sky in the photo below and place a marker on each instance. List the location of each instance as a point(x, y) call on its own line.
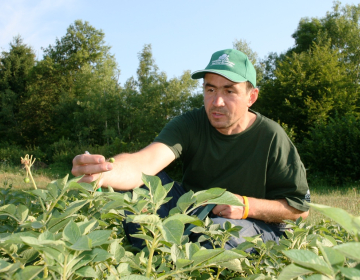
point(183, 34)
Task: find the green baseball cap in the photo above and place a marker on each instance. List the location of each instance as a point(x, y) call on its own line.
point(232, 64)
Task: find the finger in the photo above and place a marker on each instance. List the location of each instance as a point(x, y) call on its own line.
point(78, 170)
point(216, 209)
point(88, 159)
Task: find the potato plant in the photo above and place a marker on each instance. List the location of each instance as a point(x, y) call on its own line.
point(70, 231)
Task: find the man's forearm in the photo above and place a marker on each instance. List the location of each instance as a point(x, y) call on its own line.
point(270, 211)
point(273, 211)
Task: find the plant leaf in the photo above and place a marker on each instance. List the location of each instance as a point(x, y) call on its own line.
point(172, 231)
point(339, 215)
point(293, 271)
point(71, 232)
point(82, 244)
point(86, 271)
point(350, 250)
point(99, 237)
point(227, 198)
point(185, 201)
point(203, 196)
point(204, 255)
point(309, 260)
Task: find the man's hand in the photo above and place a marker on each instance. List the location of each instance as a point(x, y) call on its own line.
point(91, 166)
point(230, 211)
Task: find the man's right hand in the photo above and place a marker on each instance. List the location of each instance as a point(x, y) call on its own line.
point(91, 166)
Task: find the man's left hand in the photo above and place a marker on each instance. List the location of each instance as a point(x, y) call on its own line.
point(229, 211)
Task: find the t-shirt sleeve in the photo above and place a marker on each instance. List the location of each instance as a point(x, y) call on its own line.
point(175, 134)
point(286, 174)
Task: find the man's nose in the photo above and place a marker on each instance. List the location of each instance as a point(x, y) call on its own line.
point(218, 100)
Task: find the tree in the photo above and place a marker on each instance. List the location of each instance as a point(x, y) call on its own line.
point(77, 70)
point(341, 26)
point(14, 69)
point(152, 100)
point(243, 46)
point(308, 88)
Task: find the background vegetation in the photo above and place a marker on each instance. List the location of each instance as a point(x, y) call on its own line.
point(70, 100)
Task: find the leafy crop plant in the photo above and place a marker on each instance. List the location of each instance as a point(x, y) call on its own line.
point(70, 231)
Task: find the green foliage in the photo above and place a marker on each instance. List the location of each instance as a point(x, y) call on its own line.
point(14, 69)
point(333, 149)
point(69, 231)
point(307, 89)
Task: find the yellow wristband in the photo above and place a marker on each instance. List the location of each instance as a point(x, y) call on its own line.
point(246, 211)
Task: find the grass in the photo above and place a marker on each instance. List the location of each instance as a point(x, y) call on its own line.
point(346, 197)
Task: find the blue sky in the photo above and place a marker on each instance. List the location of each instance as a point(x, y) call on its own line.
point(183, 34)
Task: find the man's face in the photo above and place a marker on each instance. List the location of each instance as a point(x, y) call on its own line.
point(226, 103)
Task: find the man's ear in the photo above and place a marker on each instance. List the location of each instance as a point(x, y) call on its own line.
point(253, 96)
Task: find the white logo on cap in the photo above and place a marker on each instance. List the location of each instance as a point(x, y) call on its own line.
point(223, 60)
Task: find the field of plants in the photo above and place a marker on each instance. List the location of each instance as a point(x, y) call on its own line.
point(68, 230)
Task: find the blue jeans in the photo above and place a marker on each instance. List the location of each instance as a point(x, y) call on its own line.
point(250, 227)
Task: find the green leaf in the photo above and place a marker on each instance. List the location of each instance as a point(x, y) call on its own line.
point(40, 193)
point(71, 232)
point(22, 212)
point(350, 250)
point(86, 227)
point(101, 255)
point(334, 257)
point(144, 219)
point(172, 231)
point(9, 209)
point(4, 266)
point(234, 265)
point(204, 255)
point(30, 272)
point(351, 273)
point(185, 219)
point(176, 253)
point(225, 256)
point(318, 277)
point(191, 249)
point(82, 244)
point(135, 277)
point(339, 215)
point(99, 237)
point(117, 251)
point(46, 235)
point(86, 271)
point(159, 195)
point(61, 183)
point(152, 182)
point(309, 260)
point(58, 224)
point(203, 196)
point(53, 254)
point(53, 190)
point(71, 209)
point(185, 201)
point(142, 236)
point(180, 263)
point(124, 269)
point(293, 271)
point(227, 198)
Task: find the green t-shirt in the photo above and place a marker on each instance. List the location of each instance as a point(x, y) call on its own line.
point(259, 162)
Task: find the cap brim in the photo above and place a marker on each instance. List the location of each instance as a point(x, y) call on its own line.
point(236, 78)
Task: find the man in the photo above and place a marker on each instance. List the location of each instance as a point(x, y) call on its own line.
point(223, 144)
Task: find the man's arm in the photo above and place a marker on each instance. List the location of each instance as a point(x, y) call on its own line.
point(125, 173)
point(271, 211)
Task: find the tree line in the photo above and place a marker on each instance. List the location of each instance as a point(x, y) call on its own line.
point(71, 98)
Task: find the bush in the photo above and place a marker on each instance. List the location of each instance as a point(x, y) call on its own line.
point(11, 154)
point(333, 150)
